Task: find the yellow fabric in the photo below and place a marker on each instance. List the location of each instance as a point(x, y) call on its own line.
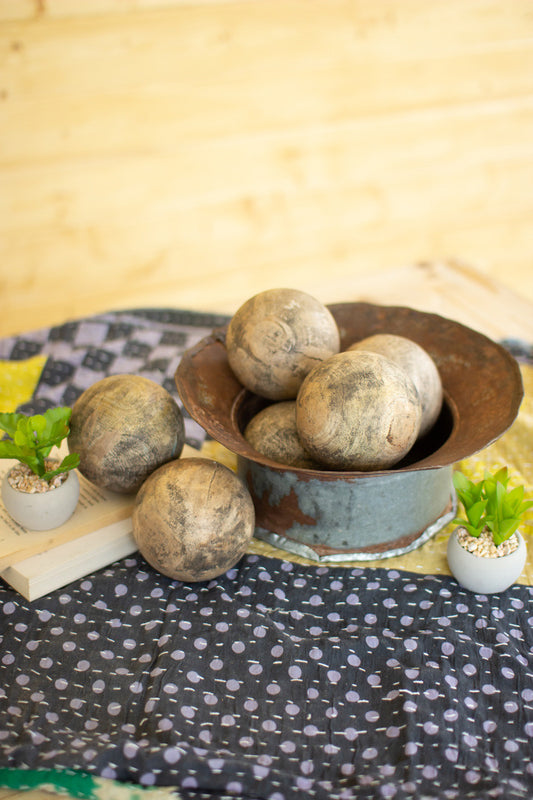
point(18, 380)
point(514, 450)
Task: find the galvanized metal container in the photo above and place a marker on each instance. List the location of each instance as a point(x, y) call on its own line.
point(340, 515)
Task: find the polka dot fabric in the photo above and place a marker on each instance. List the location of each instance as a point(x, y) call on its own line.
point(275, 681)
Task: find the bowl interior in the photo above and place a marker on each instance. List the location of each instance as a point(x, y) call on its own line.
point(247, 405)
point(481, 381)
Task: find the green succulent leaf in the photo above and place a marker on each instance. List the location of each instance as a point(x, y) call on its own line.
point(475, 512)
point(473, 530)
point(504, 530)
point(69, 462)
point(33, 437)
point(525, 506)
point(490, 504)
point(501, 476)
point(9, 421)
point(9, 449)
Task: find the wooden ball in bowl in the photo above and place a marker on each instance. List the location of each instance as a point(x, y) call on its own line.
point(418, 364)
point(358, 411)
point(272, 432)
point(124, 427)
point(276, 337)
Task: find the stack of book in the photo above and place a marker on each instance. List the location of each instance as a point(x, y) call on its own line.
point(98, 533)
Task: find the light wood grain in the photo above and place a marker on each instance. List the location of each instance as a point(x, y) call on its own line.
point(190, 154)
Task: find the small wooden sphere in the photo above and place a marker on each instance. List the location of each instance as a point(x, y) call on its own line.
point(273, 433)
point(418, 364)
point(358, 411)
point(193, 519)
point(276, 337)
point(124, 427)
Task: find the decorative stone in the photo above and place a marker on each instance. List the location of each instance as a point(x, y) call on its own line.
point(276, 337)
point(273, 433)
point(358, 411)
point(193, 519)
point(418, 364)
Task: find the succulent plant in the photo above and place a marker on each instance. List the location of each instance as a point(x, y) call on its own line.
point(489, 503)
point(32, 437)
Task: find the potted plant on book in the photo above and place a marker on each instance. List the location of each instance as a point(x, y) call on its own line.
point(486, 552)
point(39, 492)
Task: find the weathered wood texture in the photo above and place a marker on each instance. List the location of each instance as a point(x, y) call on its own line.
point(191, 154)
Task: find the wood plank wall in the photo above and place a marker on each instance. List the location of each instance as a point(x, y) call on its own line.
point(189, 154)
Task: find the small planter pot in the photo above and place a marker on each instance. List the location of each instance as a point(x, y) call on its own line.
point(483, 574)
point(42, 511)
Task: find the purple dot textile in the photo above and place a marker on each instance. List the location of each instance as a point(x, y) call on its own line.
point(273, 681)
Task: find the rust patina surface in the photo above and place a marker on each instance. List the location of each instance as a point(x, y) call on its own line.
point(482, 395)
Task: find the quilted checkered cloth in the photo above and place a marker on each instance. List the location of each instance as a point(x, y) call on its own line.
point(277, 680)
point(79, 353)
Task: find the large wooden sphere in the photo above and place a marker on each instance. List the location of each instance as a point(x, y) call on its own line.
point(273, 433)
point(193, 519)
point(276, 337)
point(124, 427)
point(419, 366)
point(358, 411)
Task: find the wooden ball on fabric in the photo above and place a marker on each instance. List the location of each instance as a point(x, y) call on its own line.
point(418, 364)
point(276, 337)
point(124, 427)
point(273, 433)
point(358, 411)
point(193, 519)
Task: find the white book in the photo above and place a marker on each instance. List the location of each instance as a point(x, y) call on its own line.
point(99, 532)
point(44, 572)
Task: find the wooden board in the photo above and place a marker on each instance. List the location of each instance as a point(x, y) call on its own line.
point(191, 153)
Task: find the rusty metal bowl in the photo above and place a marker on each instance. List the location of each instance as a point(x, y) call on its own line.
point(332, 515)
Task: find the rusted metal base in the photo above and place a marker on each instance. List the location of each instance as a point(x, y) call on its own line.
point(324, 555)
point(360, 518)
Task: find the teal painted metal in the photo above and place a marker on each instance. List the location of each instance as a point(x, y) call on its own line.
point(343, 517)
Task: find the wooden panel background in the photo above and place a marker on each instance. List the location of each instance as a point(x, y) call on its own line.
point(192, 153)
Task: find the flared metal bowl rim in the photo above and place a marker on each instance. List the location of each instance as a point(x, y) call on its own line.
point(457, 446)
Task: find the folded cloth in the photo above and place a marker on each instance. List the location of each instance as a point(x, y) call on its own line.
point(148, 342)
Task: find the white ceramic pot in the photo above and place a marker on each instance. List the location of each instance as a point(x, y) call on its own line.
point(42, 511)
point(484, 575)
